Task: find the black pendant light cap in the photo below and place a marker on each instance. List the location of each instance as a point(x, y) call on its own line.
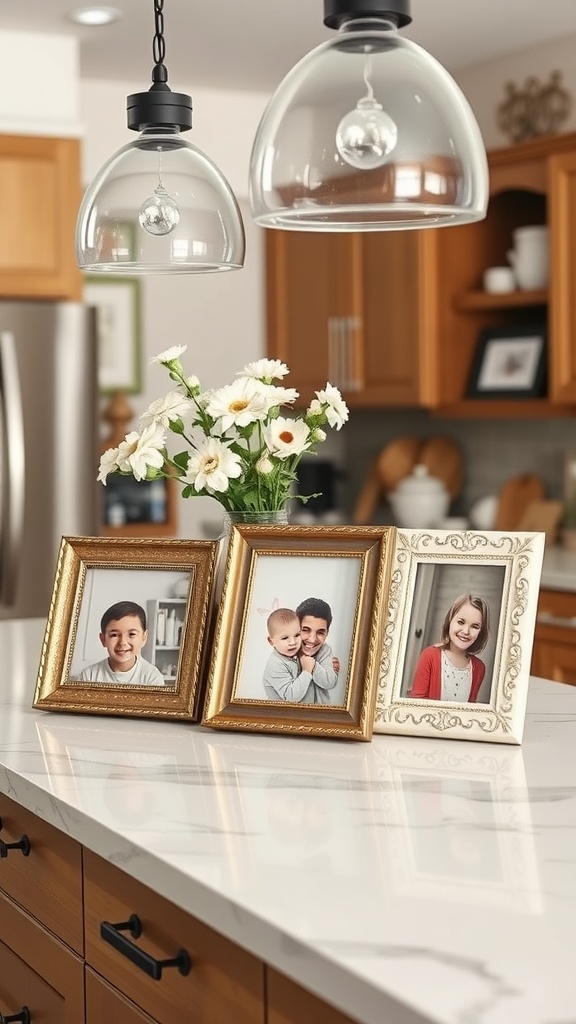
point(338, 11)
point(159, 109)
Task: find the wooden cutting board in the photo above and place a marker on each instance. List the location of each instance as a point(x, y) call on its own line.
point(397, 460)
point(369, 497)
point(515, 497)
point(444, 460)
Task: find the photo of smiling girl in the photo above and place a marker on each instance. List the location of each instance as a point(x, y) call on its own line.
point(450, 669)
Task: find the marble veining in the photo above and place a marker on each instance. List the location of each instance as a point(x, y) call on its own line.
point(408, 880)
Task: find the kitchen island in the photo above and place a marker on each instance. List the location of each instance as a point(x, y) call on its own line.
point(401, 881)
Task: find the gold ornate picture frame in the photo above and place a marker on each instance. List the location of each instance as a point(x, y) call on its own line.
point(424, 689)
point(128, 627)
point(328, 585)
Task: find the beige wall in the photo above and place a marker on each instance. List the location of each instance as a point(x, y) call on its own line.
point(484, 84)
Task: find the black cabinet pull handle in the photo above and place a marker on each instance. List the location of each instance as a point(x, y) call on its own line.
point(23, 1016)
point(24, 845)
point(112, 933)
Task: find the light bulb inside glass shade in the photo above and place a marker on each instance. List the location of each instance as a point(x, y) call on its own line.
point(366, 135)
point(205, 234)
point(159, 214)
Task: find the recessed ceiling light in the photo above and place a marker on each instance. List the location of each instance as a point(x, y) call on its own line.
point(94, 15)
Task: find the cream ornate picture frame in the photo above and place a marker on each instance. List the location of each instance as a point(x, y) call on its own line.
point(465, 688)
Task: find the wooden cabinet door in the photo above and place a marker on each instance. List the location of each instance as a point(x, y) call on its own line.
point(562, 217)
point(105, 1005)
point(312, 307)
point(288, 1003)
point(38, 971)
point(39, 198)
point(224, 984)
point(555, 661)
point(48, 881)
point(554, 655)
point(393, 310)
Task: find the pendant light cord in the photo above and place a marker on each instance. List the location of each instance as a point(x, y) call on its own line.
point(158, 44)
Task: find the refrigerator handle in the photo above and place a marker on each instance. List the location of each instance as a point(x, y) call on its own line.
point(12, 468)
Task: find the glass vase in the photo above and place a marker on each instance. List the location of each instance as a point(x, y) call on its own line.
point(279, 517)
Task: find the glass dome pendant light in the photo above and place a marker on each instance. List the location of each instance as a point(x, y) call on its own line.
point(159, 204)
point(368, 132)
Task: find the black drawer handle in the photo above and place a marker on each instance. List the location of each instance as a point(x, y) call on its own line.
point(23, 1016)
point(111, 933)
point(24, 845)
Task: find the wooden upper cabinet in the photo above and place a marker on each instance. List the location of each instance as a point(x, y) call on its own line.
point(394, 303)
point(308, 296)
point(395, 317)
point(562, 217)
point(345, 307)
point(40, 194)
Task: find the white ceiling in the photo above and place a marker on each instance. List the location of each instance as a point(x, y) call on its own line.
point(251, 44)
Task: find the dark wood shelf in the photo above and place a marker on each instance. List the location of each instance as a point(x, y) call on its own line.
point(505, 408)
point(468, 301)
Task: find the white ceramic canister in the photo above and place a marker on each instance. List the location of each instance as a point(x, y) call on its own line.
point(529, 257)
point(419, 500)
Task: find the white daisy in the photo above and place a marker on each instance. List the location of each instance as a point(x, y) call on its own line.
point(337, 410)
point(172, 407)
point(265, 369)
point(139, 451)
point(212, 466)
point(238, 404)
point(286, 437)
point(169, 355)
point(108, 464)
point(279, 396)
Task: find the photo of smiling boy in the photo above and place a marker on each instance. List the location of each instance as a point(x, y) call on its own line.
point(315, 616)
point(123, 633)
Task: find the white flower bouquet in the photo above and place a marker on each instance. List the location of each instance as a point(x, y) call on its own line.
point(239, 449)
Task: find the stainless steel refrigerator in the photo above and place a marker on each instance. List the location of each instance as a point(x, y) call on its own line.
point(48, 445)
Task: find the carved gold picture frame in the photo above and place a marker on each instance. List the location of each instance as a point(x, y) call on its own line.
point(431, 571)
point(278, 567)
point(171, 582)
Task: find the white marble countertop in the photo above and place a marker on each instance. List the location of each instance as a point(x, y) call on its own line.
point(403, 880)
point(559, 568)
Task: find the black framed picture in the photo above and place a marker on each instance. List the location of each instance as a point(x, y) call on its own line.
point(510, 362)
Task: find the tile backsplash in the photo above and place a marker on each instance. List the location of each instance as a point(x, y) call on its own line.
point(493, 451)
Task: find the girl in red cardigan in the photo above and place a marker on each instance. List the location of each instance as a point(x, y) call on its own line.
point(450, 670)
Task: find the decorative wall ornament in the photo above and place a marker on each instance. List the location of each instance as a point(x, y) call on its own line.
point(535, 109)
